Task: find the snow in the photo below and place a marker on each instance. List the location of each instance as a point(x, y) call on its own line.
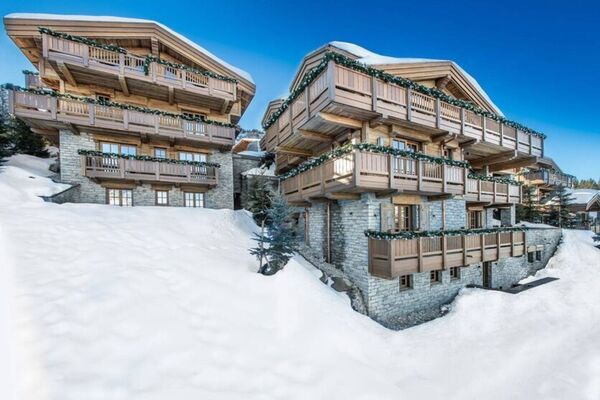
point(252, 153)
point(101, 302)
point(260, 171)
point(369, 58)
point(95, 18)
point(534, 225)
point(582, 196)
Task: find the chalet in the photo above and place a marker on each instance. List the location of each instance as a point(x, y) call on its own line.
point(403, 174)
point(141, 114)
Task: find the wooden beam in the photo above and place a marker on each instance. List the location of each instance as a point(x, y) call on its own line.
point(468, 143)
point(171, 95)
point(523, 162)
point(442, 137)
point(496, 159)
point(442, 82)
point(293, 151)
point(338, 120)
point(316, 136)
point(73, 128)
point(123, 84)
point(342, 196)
point(65, 71)
point(154, 43)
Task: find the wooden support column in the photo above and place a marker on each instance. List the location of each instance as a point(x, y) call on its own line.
point(512, 244)
point(462, 121)
point(482, 240)
point(391, 253)
point(497, 245)
point(420, 253)
point(307, 102)
point(331, 79)
point(463, 240)
point(391, 171)
point(408, 104)
point(466, 180)
point(438, 113)
point(53, 107)
point(501, 134)
point(444, 250)
point(419, 174)
point(357, 156)
point(483, 127)
point(374, 93)
point(444, 180)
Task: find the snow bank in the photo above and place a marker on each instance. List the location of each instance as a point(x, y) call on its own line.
point(98, 18)
point(154, 303)
point(370, 58)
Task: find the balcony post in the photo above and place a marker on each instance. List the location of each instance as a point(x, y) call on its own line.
point(331, 79)
point(126, 119)
point(444, 249)
point(183, 78)
point(307, 102)
point(512, 243)
point(357, 156)
point(188, 172)
point(391, 171)
point(83, 162)
point(501, 133)
point(530, 142)
point(122, 167)
point(92, 113)
point(11, 101)
point(321, 180)
point(497, 245)
point(495, 186)
point(444, 178)
point(420, 254)
point(466, 180)
point(53, 106)
point(153, 67)
point(462, 121)
point(409, 104)
point(85, 54)
point(121, 64)
point(391, 254)
point(483, 127)
point(45, 45)
point(374, 93)
point(156, 123)
point(157, 170)
point(479, 189)
point(209, 131)
point(438, 113)
point(463, 240)
point(419, 174)
point(482, 243)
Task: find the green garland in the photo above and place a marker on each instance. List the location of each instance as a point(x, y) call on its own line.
point(28, 72)
point(496, 179)
point(81, 39)
point(389, 78)
point(150, 59)
point(52, 93)
point(147, 158)
point(407, 235)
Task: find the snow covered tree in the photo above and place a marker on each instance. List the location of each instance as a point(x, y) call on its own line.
point(5, 142)
point(561, 211)
point(258, 199)
point(277, 245)
point(528, 211)
point(24, 140)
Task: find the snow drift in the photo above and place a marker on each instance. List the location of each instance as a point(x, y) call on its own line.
point(100, 302)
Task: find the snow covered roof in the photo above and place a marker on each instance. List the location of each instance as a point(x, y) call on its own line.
point(259, 171)
point(94, 18)
point(369, 58)
point(583, 196)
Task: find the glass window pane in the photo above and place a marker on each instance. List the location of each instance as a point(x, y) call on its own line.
point(160, 153)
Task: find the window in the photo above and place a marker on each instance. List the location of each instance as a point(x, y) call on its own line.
point(530, 256)
point(475, 219)
point(118, 148)
point(193, 127)
point(193, 199)
point(159, 152)
point(455, 273)
point(435, 277)
point(188, 156)
point(103, 98)
point(162, 198)
point(405, 282)
point(538, 255)
point(399, 144)
point(405, 217)
point(449, 154)
point(119, 197)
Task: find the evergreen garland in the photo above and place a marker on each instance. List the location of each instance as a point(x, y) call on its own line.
point(496, 179)
point(146, 158)
point(389, 78)
point(81, 39)
point(407, 235)
point(150, 59)
point(28, 72)
point(53, 93)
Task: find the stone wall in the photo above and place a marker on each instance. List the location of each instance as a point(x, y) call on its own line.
point(432, 214)
point(242, 163)
point(143, 195)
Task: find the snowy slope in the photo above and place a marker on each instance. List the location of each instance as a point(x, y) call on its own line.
point(157, 303)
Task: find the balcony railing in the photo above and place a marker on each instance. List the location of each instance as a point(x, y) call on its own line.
point(69, 111)
point(365, 97)
point(549, 178)
point(368, 171)
point(132, 66)
point(32, 81)
point(393, 258)
point(149, 171)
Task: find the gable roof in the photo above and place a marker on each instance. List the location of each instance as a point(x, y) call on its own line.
point(431, 68)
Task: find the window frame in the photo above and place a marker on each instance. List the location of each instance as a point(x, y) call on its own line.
point(408, 145)
point(196, 202)
point(405, 282)
point(203, 157)
point(156, 198)
point(119, 147)
point(120, 199)
point(530, 256)
point(478, 214)
point(538, 255)
point(160, 149)
point(408, 218)
point(455, 273)
point(435, 277)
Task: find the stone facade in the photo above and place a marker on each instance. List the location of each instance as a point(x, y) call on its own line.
point(220, 196)
point(385, 301)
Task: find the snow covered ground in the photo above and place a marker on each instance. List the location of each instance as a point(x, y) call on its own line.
point(100, 302)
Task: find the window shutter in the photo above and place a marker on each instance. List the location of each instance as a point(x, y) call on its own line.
point(416, 214)
point(387, 217)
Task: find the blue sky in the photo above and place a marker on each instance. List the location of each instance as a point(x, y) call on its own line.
point(538, 60)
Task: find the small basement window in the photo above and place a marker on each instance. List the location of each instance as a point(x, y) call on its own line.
point(530, 256)
point(538, 255)
point(435, 277)
point(405, 282)
point(455, 273)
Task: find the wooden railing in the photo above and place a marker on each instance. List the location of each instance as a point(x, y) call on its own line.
point(549, 178)
point(363, 94)
point(33, 81)
point(141, 170)
point(132, 66)
point(392, 258)
point(46, 107)
point(369, 171)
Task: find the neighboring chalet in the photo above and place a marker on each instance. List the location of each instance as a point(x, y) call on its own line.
point(141, 114)
point(545, 176)
point(585, 207)
point(400, 169)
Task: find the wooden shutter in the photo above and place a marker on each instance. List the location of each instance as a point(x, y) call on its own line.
point(416, 216)
point(387, 217)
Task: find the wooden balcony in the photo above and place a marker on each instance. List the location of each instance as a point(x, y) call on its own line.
point(363, 171)
point(347, 93)
point(113, 168)
point(393, 258)
point(55, 112)
point(80, 63)
point(548, 178)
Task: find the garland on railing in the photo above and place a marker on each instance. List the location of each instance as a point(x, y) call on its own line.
point(496, 179)
point(81, 39)
point(389, 78)
point(150, 59)
point(28, 72)
point(146, 158)
point(374, 148)
point(407, 235)
point(53, 93)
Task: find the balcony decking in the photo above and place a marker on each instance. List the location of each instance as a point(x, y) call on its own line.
point(390, 259)
point(361, 171)
point(110, 168)
point(125, 72)
point(68, 112)
point(347, 93)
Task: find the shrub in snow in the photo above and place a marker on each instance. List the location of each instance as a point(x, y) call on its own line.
point(258, 199)
point(24, 140)
point(5, 143)
point(561, 211)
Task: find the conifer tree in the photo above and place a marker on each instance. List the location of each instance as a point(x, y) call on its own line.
point(5, 142)
point(561, 211)
point(528, 211)
point(258, 199)
point(25, 141)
